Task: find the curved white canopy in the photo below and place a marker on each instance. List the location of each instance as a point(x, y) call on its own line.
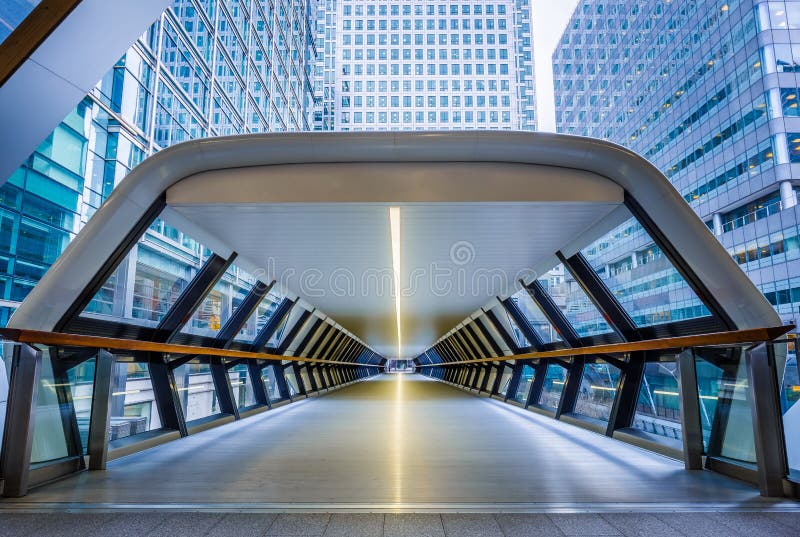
point(478, 210)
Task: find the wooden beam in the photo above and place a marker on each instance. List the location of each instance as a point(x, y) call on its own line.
point(733, 337)
point(59, 339)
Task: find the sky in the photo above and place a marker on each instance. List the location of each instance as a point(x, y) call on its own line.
point(550, 17)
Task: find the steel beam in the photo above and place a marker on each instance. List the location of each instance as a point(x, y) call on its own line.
point(166, 395)
point(242, 314)
point(691, 430)
point(23, 392)
point(601, 296)
point(100, 420)
point(192, 297)
point(254, 369)
point(272, 324)
point(553, 313)
point(522, 323)
point(498, 326)
point(223, 388)
point(289, 337)
point(317, 329)
point(626, 397)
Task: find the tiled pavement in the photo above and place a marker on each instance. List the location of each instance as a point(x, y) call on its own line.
point(172, 524)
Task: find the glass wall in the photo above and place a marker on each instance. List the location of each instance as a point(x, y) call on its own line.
point(133, 406)
point(725, 413)
point(525, 383)
point(641, 278)
point(535, 317)
point(242, 386)
point(554, 380)
point(505, 380)
point(573, 302)
point(598, 388)
point(271, 383)
point(658, 409)
point(196, 391)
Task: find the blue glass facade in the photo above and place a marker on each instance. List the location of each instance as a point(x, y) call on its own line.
point(204, 68)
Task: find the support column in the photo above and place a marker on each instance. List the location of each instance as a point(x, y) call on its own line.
point(691, 430)
point(538, 384)
point(514, 383)
point(222, 385)
point(101, 410)
point(717, 223)
point(166, 395)
point(767, 419)
point(23, 391)
point(627, 395)
point(572, 386)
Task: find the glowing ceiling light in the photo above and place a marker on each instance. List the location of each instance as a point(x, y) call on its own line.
point(394, 222)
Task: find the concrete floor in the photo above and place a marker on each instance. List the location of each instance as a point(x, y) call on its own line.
point(397, 443)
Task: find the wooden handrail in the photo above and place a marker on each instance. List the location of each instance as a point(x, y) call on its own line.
point(753, 335)
point(26, 38)
point(61, 339)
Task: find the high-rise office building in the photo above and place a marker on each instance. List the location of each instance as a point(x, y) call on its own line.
point(708, 92)
point(424, 65)
point(203, 69)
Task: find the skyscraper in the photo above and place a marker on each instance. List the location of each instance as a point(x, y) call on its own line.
point(708, 92)
point(203, 69)
point(423, 65)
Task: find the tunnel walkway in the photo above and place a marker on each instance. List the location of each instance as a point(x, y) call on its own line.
point(396, 442)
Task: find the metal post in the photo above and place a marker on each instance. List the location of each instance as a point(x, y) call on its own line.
point(767, 421)
point(691, 430)
point(538, 384)
point(222, 385)
point(166, 395)
point(100, 421)
point(513, 384)
point(572, 386)
point(627, 395)
point(254, 369)
point(23, 390)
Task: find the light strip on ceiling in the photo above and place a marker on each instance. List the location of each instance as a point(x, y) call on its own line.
point(394, 222)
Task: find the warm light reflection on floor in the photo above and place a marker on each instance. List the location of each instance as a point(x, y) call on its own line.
point(397, 440)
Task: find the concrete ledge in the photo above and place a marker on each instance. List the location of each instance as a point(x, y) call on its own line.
point(204, 424)
point(252, 411)
point(665, 446)
point(139, 442)
point(596, 426)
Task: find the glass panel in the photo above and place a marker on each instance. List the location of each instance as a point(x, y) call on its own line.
point(242, 386)
point(510, 326)
point(306, 380)
point(54, 415)
point(525, 383)
point(260, 317)
point(658, 410)
point(535, 317)
point(491, 379)
point(598, 388)
point(505, 380)
point(291, 381)
point(6, 362)
point(577, 307)
point(196, 391)
point(133, 406)
point(220, 304)
point(12, 13)
point(790, 394)
point(285, 327)
point(149, 280)
point(641, 277)
point(271, 384)
point(724, 405)
point(554, 380)
point(481, 374)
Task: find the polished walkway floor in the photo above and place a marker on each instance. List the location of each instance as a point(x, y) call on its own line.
point(396, 443)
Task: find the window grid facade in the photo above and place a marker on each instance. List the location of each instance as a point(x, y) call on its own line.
point(707, 91)
point(422, 65)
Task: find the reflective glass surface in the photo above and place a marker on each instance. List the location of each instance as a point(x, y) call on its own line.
point(12, 13)
point(554, 379)
point(242, 386)
point(725, 413)
point(270, 383)
point(524, 386)
point(133, 406)
point(535, 317)
point(577, 307)
point(196, 391)
point(598, 389)
point(658, 409)
point(641, 277)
